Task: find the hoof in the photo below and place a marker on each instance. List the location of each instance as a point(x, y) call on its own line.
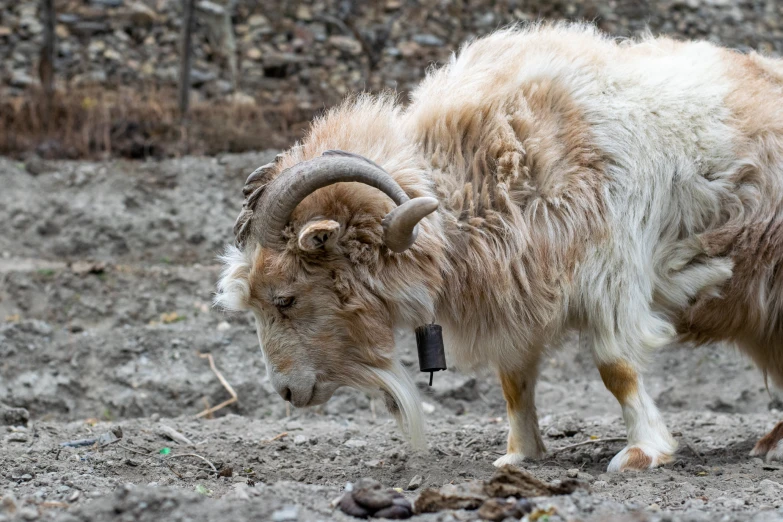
point(638, 458)
point(510, 459)
point(770, 446)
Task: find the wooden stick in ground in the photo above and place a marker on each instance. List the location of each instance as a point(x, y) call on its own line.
point(188, 8)
point(46, 59)
point(194, 455)
point(234, 398)
point(585, 443)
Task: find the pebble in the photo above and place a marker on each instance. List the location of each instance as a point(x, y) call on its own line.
point(415, 482)
point(300, 439)
point(16, 437)
point(355, 443)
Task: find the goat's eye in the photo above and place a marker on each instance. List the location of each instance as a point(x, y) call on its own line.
point(284, 302)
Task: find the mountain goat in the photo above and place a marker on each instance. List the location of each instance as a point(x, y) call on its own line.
point(546, 179)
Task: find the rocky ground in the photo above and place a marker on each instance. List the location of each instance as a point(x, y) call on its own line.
point(295, 58)
point(106, 276)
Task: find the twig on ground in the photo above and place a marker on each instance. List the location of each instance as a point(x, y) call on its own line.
point(53, 504)
point(234, 398)
point(132, 450)
point(586, 442)
point(276, 437)
point(207, 407)
point(175, 435)
point(693, 450)
point(174, 470)
point(197, 456)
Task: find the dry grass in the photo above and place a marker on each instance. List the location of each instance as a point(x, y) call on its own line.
point(94, 123)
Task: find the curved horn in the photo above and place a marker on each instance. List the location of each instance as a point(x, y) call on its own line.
point(282, 195)
point(400, 226)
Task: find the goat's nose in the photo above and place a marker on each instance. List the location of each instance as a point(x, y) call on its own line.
point(297, 389)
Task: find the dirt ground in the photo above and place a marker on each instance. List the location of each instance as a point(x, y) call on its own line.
point(106, 277)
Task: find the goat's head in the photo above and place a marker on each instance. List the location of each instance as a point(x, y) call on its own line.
point(326, 269)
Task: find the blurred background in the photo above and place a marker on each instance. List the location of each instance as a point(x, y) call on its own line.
point(96, 78)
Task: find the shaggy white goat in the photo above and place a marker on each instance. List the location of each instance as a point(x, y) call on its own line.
point(559, 180)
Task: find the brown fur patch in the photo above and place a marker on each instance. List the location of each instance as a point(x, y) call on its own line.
point(750, 232)
point(520, 183)
point(769, 441)
point(619, 378)
point(512, 392)
point(636, 459)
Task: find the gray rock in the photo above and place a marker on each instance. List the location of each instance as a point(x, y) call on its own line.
point(21, 79)
point(428, 40)
point(415, 482)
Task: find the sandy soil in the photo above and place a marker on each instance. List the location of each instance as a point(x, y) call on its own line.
point(106, 276)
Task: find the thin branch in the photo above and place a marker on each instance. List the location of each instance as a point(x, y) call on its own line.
point(234, 398)
point(197, 456)
point(586, 442)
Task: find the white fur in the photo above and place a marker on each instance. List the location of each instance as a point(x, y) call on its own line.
point(233, 289)
point(646, 430)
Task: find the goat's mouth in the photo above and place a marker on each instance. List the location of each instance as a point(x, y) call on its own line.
point(322, 392)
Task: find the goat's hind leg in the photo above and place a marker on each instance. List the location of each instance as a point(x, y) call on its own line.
point(649, 441)
point(770, 445)
point(524, 437)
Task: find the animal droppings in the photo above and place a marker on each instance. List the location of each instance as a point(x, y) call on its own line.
point(367, 498)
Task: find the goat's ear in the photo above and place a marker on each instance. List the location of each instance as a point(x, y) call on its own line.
point(318, 235)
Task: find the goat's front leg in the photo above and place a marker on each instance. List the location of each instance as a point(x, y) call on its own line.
point(524, 437)
point(649, 441)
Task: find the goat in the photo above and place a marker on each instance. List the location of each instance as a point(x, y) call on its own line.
point(548, 178)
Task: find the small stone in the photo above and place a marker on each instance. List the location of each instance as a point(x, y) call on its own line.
point(346, 44)
point(111, 54)
point(300, 439)
point(21, 79)
point(223, 326)
point(375, 463)
point(16, 437)
point(409, 49)
point(304, 13)
point(572, 473)
point(211, 7)
point(428, 40)
point(415, 482)
point(13, 416)
point(355, 443)
point(257, 21)
point(142, 15)
point(254, 53)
